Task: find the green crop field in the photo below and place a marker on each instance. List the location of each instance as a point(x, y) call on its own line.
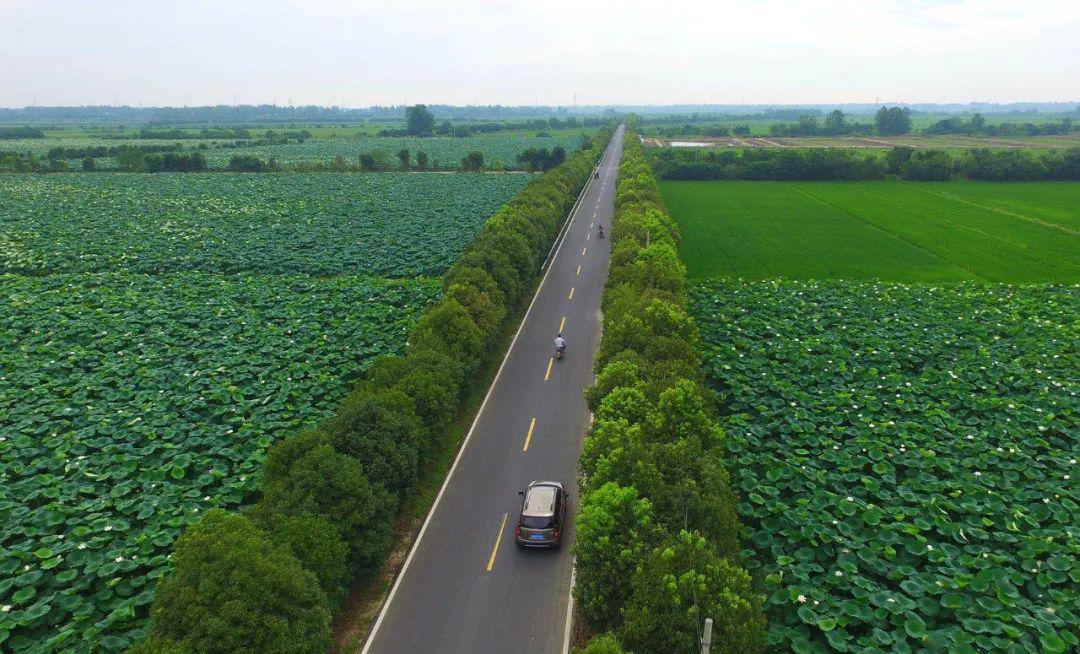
point(902, 231)
point(906, 458)
point(161, 332)
point(378, 224)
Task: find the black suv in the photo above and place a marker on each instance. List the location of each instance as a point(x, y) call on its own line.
point(543, 509)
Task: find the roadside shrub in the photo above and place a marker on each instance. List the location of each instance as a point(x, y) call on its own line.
point(317, 545)
point(624, 403)
point(484, 309)
point(615, 531)
point(381, 429)
point(677, 586)
point(681, 414)
point(306, 475)
point(602, 644)
point(622, 372)
point(433, 380)
point(233, 590)
point(448, 328)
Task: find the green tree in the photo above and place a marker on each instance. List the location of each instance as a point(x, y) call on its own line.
point(403, 157)
point(317, 544)
point(419, 121)
point(233, 590)
point(893, 121)
point(473, 162)
point(615, 530)
point(421, 160)
point(681, 583)
point(89, 164)
point(602, 644)
point(304, 474)
point(381, 429)
point(836, 123)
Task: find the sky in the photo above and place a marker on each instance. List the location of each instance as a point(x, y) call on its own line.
point(522, 52)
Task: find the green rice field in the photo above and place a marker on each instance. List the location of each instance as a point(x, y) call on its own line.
point(895, 231)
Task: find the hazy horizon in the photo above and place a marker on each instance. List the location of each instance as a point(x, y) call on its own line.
point(122, 52)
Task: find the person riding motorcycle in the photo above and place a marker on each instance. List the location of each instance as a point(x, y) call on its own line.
point(560, 346)
point(600, 233)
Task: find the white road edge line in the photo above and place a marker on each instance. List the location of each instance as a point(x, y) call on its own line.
point(569, 608)
point(468, 436)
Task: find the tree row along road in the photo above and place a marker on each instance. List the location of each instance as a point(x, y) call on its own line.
point(465, 587)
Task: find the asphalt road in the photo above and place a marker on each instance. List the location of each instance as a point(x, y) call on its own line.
point(465, 587)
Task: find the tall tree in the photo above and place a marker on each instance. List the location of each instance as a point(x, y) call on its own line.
point(893, 121)
point(421, 160)
point(836, 123)
point(403, 157)
point(420, 121)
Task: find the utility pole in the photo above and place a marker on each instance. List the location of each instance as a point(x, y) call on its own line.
point(706, 638)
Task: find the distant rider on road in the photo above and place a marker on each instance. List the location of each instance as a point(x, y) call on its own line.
point(560, 344)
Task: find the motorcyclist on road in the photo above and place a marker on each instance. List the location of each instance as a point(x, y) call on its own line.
point(600, 228)
point(560, 345)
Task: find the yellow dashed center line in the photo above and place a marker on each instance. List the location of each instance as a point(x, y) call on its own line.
point(588, 235)
point(562, 323)
point(571, 297)
point(547, 374)
point(495, 549)
point(583, 251)
point(528, 436)
point(578, 270)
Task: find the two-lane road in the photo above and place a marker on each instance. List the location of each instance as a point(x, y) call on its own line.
point(465, 587)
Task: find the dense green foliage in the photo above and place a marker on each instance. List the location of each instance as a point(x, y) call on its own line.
point(891, 121)
point(887, 230)
point(837, 163)
point(131, 403)
point(392, 224)
point(353, 472)
point(657, 548)
point(908, 458)
point(11, 133)
point(499, 150)
point(234, 591)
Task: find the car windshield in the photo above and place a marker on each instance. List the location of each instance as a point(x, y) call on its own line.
point(537, 522)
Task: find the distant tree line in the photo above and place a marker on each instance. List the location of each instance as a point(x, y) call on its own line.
point(540, 159)
point(98, 151)
point(850, 164)
point(977, 126)
point(420, 121)
point(9, 133)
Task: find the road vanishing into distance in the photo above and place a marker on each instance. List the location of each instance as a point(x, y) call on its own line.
point(465, 588)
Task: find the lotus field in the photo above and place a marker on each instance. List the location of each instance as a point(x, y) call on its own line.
point(383, 224)
point(161, 331)
point(906, 458)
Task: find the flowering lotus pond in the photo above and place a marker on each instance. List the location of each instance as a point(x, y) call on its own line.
point(906, 458)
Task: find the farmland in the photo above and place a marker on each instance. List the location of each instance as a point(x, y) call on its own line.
point(906, 459)
point(500, 150)
point(913, 232)
point(166, 330)
point(381, 224)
